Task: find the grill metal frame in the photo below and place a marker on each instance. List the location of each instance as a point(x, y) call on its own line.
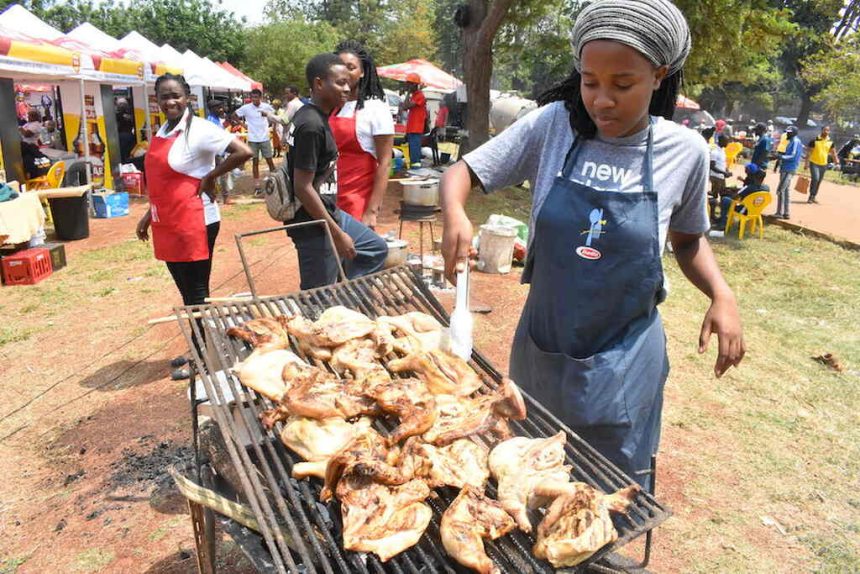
point(301, 533)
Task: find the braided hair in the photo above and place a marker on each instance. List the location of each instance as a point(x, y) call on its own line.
point(369, 86)
point(655, 28)
point(180, 79)
point(662, 101)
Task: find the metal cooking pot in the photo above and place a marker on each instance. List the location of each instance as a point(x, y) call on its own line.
point(396, 253)
point(421, 192)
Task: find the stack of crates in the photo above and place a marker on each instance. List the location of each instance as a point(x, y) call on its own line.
point(27, 267)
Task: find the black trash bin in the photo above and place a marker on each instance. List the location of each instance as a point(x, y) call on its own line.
point(71, 217)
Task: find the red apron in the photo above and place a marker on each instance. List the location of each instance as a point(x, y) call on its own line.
point(355, 167)
point(178, 222)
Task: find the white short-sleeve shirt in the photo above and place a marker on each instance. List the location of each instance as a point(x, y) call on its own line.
point(193, 153)
point(374, 119)
point(258, 124)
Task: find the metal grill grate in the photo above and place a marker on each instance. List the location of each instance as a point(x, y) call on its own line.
point(302, 534)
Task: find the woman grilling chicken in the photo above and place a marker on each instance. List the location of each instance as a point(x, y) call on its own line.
point(612, 178)
point(180, 176)
point(364, 132)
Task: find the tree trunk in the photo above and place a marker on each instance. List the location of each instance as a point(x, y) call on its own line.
point(805, 109)
point(484, 21)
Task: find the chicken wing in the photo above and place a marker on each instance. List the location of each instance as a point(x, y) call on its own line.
point(418, 331)
point(263, 371)
point(577, 523)
point(470, 519)
point(336, 326)
point(317, 441)
point(408, 400)
point(520, 465)
point(382, 519)
point(462, 463)
point(443, 372)
point(460, 417)
point(264, 333)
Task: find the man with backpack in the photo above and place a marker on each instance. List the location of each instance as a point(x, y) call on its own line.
point(307, 191)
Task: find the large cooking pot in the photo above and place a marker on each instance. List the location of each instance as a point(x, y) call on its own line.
point(396, 253)
point(421, 192)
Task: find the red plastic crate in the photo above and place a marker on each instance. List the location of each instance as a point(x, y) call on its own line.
point(27, 267)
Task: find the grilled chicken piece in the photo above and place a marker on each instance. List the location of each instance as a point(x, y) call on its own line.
point(520, 465)
point(358, 356)
point(470, 519)
point(263, 371)
point(419, 331)
point(444, 373)
point(408, 400)
point(264, 333)
point(461, 417)
point(317, 441)
point(460, 464)
point(367, 455)
point(336, 326)
point(577, 523)
point(382, 519)
point(318, 394)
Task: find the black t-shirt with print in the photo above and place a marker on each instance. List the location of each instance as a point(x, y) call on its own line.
point(312, 148)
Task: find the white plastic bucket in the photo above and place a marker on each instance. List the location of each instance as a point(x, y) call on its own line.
point(496, 250)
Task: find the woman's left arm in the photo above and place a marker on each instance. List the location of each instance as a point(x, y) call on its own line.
point(383, 146)
point(239, 154)
point(696, 259)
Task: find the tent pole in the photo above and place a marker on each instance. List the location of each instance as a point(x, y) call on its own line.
point(147, 130)
point(85, 140)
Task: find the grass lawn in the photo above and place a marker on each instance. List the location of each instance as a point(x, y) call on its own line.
point(767, 458)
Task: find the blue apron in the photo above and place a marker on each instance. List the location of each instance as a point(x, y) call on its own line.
point(590, 345)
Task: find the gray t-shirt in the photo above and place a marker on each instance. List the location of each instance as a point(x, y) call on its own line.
point(535, 146)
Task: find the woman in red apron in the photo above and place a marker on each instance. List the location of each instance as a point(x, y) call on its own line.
point(180, 175)
point(364, 131)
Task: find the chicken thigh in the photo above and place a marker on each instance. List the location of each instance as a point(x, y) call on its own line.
point(443, 372)
point(577, 523)
point(317, 441)
point(263, 371)
point(521, 464)
point(264, 333)
point(470, 519)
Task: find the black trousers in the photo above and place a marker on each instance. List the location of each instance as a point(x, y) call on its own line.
point(192, 277)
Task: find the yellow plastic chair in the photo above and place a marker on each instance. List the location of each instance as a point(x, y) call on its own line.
point(50, 180)
point(755, 204)
point(733, 150)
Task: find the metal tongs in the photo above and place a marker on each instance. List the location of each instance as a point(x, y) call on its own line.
point(461, 318)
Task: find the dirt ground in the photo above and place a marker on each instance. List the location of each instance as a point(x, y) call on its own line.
point(92, 420)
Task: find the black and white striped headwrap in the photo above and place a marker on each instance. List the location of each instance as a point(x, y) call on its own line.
point(655, 28)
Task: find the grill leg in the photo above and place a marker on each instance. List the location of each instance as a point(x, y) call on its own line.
point(202, 518)
point(649, 536)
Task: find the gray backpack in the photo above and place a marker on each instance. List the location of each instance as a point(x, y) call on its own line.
point(281, 201)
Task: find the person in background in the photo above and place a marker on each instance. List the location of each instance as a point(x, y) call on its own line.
point(278, 120)
point(180, 179)
point(763, 146)
point(256, 115)
point(753, 182)
point(294, 102)
point(51, 136)
point(718, 171)
point(218, 116)
point(416, 104)
point(30, 131)
point(125, 129)
point(364, 132)
point(781, 146)
point(310, 166)
point(821, 152)
point(789, 161)
point(847, 150)
point(216, 112)
point(590, 345)
point(36, 164)
point(728, 130)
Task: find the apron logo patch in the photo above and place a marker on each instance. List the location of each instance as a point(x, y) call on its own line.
point(594, 231)
point(588, 253)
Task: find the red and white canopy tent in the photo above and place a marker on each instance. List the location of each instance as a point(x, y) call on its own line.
point(431, 76)
point(255, 85)
point(686, 103)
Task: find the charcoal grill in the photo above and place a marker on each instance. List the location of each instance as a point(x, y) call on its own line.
point(300, 533)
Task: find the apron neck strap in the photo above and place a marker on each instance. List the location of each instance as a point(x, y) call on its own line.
point(647, 165)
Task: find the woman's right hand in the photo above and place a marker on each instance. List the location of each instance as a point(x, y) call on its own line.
point(456, 241)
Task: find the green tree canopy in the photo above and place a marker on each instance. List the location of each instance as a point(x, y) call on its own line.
point(277, 53)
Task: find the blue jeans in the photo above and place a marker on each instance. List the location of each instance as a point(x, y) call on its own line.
point(414, 141)
point(783, 192)
point(318, 263)
point(817, 172)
